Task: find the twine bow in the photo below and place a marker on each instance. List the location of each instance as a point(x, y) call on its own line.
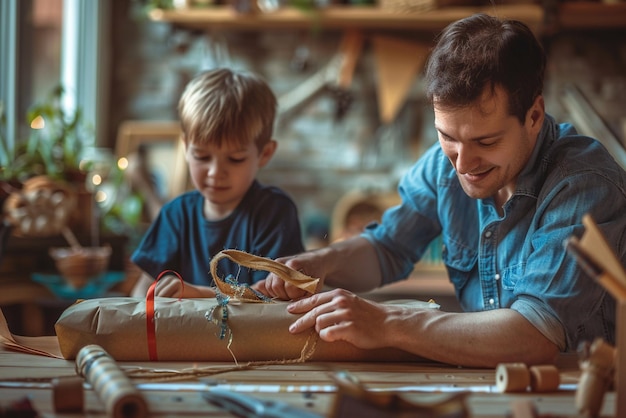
point(247, 294)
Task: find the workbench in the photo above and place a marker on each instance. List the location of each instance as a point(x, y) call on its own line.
point(305, 385)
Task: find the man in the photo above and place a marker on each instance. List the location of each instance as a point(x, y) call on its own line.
point(505, 187)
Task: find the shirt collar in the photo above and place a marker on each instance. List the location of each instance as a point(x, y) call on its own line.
point(532, 175)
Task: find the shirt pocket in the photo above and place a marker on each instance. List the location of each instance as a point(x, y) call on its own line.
point(460, 261)
point(511, 275)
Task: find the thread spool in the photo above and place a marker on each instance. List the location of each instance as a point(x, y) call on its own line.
point(68, 394)
point(544, 378)
point(512, 377)
point(120, 397)
point(597, 369)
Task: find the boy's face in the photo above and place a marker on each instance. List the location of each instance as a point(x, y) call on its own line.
point(486, 145)
point(224, 174)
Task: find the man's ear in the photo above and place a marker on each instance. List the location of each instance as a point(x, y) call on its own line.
point(537, 114)
point(267, 152)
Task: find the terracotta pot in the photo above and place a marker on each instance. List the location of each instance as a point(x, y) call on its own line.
point(80, 265)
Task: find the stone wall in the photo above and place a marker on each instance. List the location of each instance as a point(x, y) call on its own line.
point(323, 155)
point(323, 152)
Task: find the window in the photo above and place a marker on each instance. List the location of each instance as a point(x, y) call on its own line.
point(44, 43)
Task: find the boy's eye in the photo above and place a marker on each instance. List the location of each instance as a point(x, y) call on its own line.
point(237, 160)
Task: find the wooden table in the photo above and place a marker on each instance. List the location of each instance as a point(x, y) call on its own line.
point(312, 386)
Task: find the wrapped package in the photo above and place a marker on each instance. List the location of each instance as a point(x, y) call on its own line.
point(200, 330)
point(240, 324)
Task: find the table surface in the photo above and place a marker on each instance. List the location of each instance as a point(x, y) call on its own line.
point(309, 386)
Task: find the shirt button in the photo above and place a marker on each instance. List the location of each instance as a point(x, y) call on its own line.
point(496, 277)
point(488, 234)
point(491, 301)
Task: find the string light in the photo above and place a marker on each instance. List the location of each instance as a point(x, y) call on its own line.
point(122, 163)
point(38, 123)
point(96, 179)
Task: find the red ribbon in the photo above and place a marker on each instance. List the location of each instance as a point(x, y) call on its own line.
point(150, 324)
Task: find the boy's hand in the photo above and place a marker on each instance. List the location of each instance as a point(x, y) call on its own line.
point(170, 286)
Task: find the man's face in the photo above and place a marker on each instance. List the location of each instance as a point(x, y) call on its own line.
point(488, 147)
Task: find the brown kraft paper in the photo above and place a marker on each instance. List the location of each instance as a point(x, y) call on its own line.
point(186, 331)
point(243, 327)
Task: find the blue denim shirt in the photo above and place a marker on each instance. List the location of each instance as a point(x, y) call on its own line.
point(518, 260)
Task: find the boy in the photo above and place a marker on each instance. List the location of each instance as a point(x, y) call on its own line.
point(227, 122)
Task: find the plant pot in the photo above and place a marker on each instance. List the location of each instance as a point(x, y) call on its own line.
point(80, 265)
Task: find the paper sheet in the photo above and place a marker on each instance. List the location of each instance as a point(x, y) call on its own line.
point(43, 346)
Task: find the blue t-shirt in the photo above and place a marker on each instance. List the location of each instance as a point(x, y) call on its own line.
point(265, 223)
point(517, 260)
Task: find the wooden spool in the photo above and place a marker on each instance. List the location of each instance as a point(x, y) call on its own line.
point(512, 377)
point(68, 394)
point(544, 378)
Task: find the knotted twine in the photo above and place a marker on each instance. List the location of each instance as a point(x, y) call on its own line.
point(230, 290)
point(245, 293)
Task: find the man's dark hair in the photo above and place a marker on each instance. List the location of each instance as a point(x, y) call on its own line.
point(481, 52)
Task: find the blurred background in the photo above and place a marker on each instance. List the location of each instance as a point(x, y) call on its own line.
point(88, 96)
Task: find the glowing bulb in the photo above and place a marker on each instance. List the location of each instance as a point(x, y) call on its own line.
point(122, 163)
point(38, 123)
point(100, 196)
point(96, 179)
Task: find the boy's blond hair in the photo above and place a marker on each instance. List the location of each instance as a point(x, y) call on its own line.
point(224, 105)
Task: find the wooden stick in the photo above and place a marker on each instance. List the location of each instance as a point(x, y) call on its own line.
point(597, 272)
point(620, 361)
point(71, 239)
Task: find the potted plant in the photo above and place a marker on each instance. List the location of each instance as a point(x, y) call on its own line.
point(50, 146)
point(53, 146)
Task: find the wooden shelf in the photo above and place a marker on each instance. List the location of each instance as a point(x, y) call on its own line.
point(340, 17)
point(592, 15)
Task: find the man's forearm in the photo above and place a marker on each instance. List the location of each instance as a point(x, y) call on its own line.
point(352, 264)
point(480, 339)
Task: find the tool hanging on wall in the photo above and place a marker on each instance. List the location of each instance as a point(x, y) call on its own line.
point(335, 77)
point(301, 59)
point(398, 62)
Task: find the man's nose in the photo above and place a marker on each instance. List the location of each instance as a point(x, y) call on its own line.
point(467, 159)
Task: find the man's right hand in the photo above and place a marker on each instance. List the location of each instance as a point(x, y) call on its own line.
point(275, 287)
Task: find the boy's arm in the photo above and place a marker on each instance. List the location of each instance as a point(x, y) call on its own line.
point(141, 286)
point(170, 286)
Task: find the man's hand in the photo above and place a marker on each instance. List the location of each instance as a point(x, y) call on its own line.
point(342, 315)
point(275, 287)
